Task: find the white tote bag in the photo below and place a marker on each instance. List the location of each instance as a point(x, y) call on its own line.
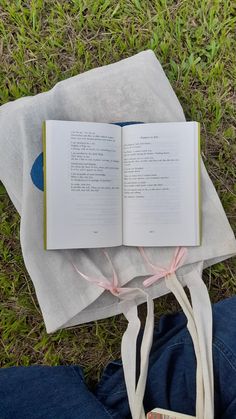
point(135, 89)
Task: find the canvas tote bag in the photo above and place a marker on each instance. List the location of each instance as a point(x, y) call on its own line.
point(79, 286)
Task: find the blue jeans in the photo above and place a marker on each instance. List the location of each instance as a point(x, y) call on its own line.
point(61, 393)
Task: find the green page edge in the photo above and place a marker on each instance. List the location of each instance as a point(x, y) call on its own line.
point(199, 184)
point(44, 183)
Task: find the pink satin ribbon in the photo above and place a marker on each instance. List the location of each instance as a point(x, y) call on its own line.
point(160, 272)
point(112, 286)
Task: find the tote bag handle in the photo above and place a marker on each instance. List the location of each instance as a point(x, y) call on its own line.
point(199, 317)
point(199, 324)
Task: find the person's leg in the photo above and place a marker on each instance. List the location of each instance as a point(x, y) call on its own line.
point(224, 350)
point(111, 390)
point(47, 393)
point(171, 380)
point(60, 392)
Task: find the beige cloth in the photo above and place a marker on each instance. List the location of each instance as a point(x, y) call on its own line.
point(135, 89)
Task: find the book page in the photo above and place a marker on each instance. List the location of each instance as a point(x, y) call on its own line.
point(160, 184)
point(83, 185)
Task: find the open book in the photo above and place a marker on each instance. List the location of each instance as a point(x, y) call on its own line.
point(106, 185)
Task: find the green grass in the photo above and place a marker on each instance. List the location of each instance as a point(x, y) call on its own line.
point(42, 42)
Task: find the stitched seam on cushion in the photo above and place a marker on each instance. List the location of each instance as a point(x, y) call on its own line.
point(225, 352)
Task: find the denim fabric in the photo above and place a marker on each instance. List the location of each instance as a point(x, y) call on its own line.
point(47, 393)
point(60, 392)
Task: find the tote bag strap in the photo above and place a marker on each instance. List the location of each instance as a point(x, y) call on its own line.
point(129, 299)
point(176, 288)
point(136, 385)
point(197, 329)
point(204, 323)
point(199, 317)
